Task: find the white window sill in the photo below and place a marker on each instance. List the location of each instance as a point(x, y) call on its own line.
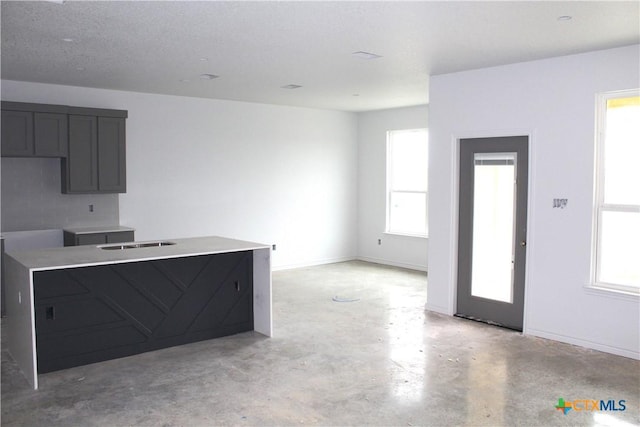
point(419, 236)
point(606, 291)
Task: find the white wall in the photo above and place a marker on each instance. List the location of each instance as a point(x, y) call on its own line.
point(257, 172)
point(554, 101)
point(403, 251)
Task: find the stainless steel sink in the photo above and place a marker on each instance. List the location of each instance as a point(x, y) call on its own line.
point(116, 247)
point(151, 244)
point(135, 245)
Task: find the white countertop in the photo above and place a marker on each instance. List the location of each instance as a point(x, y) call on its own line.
point(88, 255)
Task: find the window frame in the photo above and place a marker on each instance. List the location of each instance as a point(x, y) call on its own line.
point(598, 201)
point(390, 190)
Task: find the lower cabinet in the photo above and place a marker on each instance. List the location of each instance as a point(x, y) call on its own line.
point(90, 314)
point(97, 238)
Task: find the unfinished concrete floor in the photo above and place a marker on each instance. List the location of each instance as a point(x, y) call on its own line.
point(381, 360)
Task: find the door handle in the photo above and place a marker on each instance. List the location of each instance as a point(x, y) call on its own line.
point(523, 243)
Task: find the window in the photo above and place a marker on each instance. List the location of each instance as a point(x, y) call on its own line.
point(407, 160)
point(617, 200)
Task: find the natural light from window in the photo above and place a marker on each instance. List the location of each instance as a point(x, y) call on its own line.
point(407, 161)
point(617, 228)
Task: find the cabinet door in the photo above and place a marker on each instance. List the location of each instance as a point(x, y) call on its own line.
point(81, 165)
point(75, 325)
point(111, 155)
point(17, 133)
point(91, 239)
point(50, 134)
point(120, 237)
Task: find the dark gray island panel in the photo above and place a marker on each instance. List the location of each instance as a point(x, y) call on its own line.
point(90, 314)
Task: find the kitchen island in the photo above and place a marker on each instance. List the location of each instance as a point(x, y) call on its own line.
point(77, 305)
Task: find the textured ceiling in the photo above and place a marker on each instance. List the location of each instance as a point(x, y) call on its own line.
point(257, 47)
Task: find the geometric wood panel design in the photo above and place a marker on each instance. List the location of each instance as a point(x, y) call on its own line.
point(90, 314)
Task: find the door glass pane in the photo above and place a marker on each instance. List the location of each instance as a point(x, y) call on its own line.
point(493, 226)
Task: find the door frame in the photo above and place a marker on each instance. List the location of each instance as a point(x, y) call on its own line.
point(483, 307)
point(455, 197)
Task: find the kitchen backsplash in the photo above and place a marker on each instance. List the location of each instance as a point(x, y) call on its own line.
point(31, 198)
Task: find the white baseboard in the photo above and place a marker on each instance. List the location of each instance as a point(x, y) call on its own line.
point(437, 308)
point(344, 259)
point(393, 263)
point(584, 343)
point(313, 263)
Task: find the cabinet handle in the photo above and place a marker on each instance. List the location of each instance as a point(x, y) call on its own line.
point(51, 313)
point(237, 283)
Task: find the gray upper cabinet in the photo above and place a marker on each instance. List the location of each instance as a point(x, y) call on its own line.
point(90, 141)
point(17, 133)
point(50, 134)
point(80, 168)
point(96, 162)
point(112, 171)
point(33, 130)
